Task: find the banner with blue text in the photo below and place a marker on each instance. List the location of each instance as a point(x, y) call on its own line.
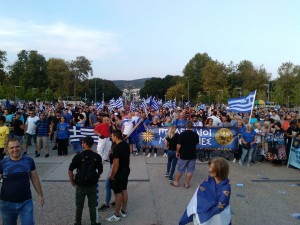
point(215, 139)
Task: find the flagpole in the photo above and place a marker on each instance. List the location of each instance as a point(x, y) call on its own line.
point(252, 107)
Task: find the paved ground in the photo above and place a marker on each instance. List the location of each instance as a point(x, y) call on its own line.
point(269, 196)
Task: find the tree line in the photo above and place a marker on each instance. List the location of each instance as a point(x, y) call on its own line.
point(207, 80)
point(31, 76)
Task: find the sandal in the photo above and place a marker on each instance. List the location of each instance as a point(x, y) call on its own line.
point(174, 185)
point(186, 186)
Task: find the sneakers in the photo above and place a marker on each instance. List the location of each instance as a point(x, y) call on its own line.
point(113, 218)
point(149, 155)
point(165, 155)
point(154, 155)
point(167, 175)
point(104, 207)
point(248, 164)
point(37, 155)
point(123, 214)
point(234, 160)
point(240, 162)
point(170, 178)
point(113, 203)
point(47, 155)
point(54, 148)
point(136, 154)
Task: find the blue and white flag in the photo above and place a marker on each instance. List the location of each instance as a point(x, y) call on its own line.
point(119, 103)
point(132, 106)
point(112, 104)
point(168, 104)
point(77, 133)
point(143, 105)
point(242, 104)
point(187, 104)
point(210, 204)
point(174, 104)
point(154, 104)
point(99, 105)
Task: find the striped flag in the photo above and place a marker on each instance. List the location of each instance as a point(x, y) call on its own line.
point(143, 105)
point(112, 104)
point(99, 105)
point(154, 104)
point(174, 104)
point(119, 103)
point(242, 104)
point(77, 133)
point(132, 106)
point(187, 104)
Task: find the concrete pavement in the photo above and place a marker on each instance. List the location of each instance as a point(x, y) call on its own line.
point(264, 199)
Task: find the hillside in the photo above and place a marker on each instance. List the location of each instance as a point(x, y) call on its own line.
point(130, 84)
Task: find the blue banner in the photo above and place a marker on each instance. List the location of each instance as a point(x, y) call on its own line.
point(294, 158)
point(215, 139)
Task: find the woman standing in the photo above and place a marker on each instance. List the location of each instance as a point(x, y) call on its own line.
point(171, 141)
point(212, 197)
point(278, 149)
point(241, 129)
point(62, 129)
point(248, 142)
point(154, 123)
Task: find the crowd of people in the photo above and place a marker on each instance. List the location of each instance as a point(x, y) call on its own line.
point(264, 135)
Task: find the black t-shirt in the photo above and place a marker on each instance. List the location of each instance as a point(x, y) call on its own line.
point(18, 130)
point(173, 142)
point(122, 152)
point(188, 140)
point(76, 161)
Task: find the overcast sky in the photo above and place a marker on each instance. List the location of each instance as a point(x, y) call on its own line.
point(131, 39)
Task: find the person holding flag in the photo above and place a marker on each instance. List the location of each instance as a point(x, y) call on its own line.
point(210, 205)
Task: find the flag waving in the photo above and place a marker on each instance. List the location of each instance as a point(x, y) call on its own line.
point(242, 104)
point(210, 204)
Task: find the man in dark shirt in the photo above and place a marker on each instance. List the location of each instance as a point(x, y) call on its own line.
point(89, 190)
point(119, 175)
point(18, 126)
point(186, 152)
point(42, 128)
point(16, 200)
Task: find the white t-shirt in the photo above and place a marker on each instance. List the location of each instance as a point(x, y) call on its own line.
point(30, 124)
point(128, 125)
point(258, 135)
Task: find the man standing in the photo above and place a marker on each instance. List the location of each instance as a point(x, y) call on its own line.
point(93, 118)
point(104, 143)
point(42, 127)
point(119, 176)
point(186, 152)
point(18, 128)
point(16, 198)
point(30, 130)
point(89, 168)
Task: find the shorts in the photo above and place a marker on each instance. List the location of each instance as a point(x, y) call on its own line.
point(42, 142)
point(186, 165)
point(120, 181)
point(28, 138)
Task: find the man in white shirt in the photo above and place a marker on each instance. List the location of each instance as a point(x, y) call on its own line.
point(216, 120)
point(127, 126)
point(30, 130)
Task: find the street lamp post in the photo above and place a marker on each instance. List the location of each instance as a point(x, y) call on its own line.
point(165, 98)
point(288, 102)
point(268, 91)
point(95, 90)
point(188, 89)
point(182, 99)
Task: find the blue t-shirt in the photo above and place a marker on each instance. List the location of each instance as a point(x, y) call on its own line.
point(16, 179)
point(248, 137)
point(62, 131)
point(42, 128)
point(179, 123)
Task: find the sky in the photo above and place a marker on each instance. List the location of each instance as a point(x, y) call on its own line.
point(132, 39)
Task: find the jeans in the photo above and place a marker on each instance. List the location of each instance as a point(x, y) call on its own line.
point(245, 152)
point(172, 161)
point(91, 193)
point(11, 210)
point(107, 190)
point(77, 146)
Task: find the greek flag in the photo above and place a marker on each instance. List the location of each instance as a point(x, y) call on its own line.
point(132, 106)
point(99, 105)
point(77, 133)
point(174, 104)
point(144, 105)
point(112, 104)
point(119, 103)
point(168, 104)
point(210, 204)
point(154, 104)
point(187, 104)
point(242, 104)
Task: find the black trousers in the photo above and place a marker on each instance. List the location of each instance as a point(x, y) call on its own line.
point(62, 146)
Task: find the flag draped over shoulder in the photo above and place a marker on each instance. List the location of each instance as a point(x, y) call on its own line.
point(242, 104)
point(210, 204)
point(77, 133)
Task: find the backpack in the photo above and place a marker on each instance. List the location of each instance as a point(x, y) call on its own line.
point(87, 174)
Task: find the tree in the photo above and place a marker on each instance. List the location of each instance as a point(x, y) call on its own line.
point(3, 60)
point(193, 73)
point(58, 75)
point(81, 69)
point(177, 91)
